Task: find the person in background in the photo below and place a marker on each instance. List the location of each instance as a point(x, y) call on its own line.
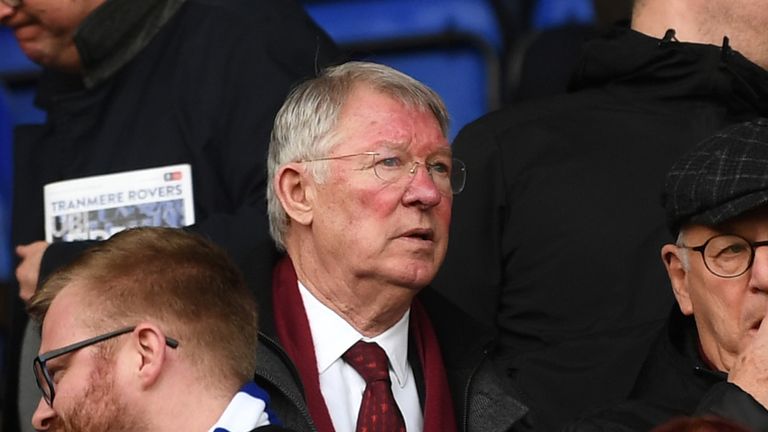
point(361, 184)
point(152, 330)
point(710, 360)
point(132, 84)
point(558, 230)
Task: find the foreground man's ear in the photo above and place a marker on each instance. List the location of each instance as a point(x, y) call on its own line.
point(150, 351)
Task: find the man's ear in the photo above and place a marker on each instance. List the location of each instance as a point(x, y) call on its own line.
point(678, 276)
point(295, 190)
point(149, 345)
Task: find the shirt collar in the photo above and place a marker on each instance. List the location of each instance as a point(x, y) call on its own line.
point(332, 336)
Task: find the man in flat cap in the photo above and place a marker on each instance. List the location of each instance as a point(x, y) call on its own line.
point(712, 357)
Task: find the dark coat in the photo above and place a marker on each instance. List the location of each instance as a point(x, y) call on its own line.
point(482, 402)
point(559, 227)
point(204, 90)
point(675, 382)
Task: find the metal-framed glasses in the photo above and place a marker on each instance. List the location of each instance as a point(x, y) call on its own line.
point(11, 3)
point(448, 174)
point(43, 376)
point(728, 255)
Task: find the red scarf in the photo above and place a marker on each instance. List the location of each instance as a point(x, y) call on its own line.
point(296, 338)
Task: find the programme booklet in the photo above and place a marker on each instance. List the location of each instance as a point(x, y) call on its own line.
point(94, 208)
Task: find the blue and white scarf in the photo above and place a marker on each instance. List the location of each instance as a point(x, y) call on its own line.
point(248, 410)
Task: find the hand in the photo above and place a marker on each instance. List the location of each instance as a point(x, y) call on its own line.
point(29, 269)
point(750, 370)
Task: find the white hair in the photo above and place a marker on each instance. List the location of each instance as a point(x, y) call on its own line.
point(684, 255)
point(304, 126)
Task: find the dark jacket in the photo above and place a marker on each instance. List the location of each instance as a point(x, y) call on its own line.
point(560, 224)
point(203, 88)
point(675, 382)
point(168, 82)
point(482, 402)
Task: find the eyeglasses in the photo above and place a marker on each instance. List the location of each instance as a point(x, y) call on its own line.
point(43, 375)
point(728, 255)
point(11, 3)
point(448, 174)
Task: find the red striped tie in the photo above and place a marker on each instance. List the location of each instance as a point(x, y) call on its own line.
point(378, 409)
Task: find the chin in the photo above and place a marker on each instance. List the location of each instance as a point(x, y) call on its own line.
point(416, 275)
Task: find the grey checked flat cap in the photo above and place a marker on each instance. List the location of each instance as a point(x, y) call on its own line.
point(722, 177)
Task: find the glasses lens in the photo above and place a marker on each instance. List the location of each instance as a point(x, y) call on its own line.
point(41, 378)
point(458, 176)
point(727, 255)
point(448, 177)
point(389, 169)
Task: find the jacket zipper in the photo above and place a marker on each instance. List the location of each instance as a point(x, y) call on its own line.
point(301, 404)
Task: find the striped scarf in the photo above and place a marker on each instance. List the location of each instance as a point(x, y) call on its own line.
point(248, 410)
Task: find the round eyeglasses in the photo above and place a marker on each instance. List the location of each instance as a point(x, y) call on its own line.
point(728, 255)
point(11, 3)
point(448, 174)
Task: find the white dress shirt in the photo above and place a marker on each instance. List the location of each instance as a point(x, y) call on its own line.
point(341, 386)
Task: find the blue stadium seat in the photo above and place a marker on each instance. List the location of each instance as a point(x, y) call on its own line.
point(388, 19)
point(5, 188)
point(13, 63)
point(18, 76)
point(19, 99)
point(554, 13)
point(451, 45)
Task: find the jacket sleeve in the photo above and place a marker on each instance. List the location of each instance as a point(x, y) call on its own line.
point(730, 402)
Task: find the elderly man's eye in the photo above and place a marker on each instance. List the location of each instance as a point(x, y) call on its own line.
point(390, 163)
point(440, 168)
point(733, 250)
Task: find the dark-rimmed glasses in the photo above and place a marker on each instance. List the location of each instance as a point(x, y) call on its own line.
point(449, 175)
point(11, 3)
point(727, 255)
point(43, 376)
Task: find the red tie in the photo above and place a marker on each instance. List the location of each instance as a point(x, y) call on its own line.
point(378, 409)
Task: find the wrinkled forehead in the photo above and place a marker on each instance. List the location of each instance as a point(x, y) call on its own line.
point(370, 119)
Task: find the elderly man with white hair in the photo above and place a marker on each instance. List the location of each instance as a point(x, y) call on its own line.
point(361, 184)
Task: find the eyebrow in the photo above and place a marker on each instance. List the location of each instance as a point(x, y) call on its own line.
point(401, 146)
point(443, 152)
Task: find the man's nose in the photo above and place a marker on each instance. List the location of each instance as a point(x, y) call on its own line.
point(43, 415)
point(421, 189)
point(759, 271)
